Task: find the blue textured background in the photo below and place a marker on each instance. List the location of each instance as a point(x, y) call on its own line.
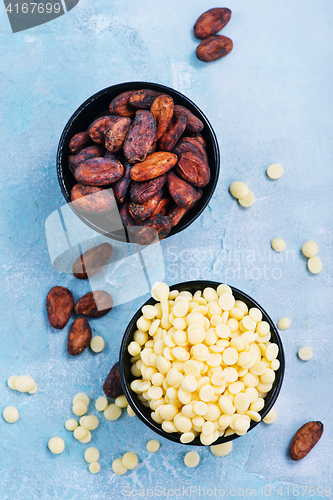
point(269, 101)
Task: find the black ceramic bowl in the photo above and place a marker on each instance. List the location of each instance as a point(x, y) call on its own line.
point(125, 364)
point(95, 105)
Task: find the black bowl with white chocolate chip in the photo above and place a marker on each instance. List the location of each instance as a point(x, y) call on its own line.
point(144, 413)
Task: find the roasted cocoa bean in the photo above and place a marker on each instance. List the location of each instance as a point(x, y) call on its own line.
point(193, 169)
point(119, 105)
point(143, 99)
point(140, 192)
point(59, 306)
point(143, 211)
point(211, 21)
point(155, 165)
point(94, 304)
point(121, 187)
point(125, 216)
point(154, 229)
point(112, 385)
point(92, 261)
point(78, 142)
point(79, 336)
point(183, 193)
point(214, 47)
point(140, 137)
point(98, 128)
point(87, 153)
point(99, 172)
point(116, 133)
point(162, 110)
point(305, 439)
point(92, 199)
point(171, 136)
point(192, 122)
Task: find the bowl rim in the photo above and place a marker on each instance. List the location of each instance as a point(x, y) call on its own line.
point(130, 395)
point(123, 87)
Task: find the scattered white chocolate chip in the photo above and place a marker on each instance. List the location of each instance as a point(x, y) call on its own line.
point(91, 455)
point(315, 265)
point(278, 244)
point(221, 450)
point(81, 396)
point(101, 403)
point(248, 200)
point(33, 390)
point(97, 344)
point(10, 382)
point(56, 445)
point(121, 401)
point(94, 467)
point(118, 467)
point(80, 432)
point(79, 407)
point(152, 446)
point(90, 422)
point(284, 323)
point(11, 414)
point(238, 190)
point(112, 412)
point(191, 459)
point(274, 171)
point(270, 417)
point(86, 439)
point(71, 424)
point(310, 249)
point(130, 460)
point(305, 353)
point(130, 412)
point(24, 383)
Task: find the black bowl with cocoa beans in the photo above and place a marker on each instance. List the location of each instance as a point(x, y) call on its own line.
point(142, 151)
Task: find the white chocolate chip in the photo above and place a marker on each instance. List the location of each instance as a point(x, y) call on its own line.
point(191, 459)
point(94, 467)
point(71, 424)
point(79, 407)
point(315, 265)
point(112, 412)
point(284, 323)
point(238, 189)
point(97, 344)
point(91, 455)
point(130, 460)
point(10, 382)
point(248, 200)
point(56, 445)
point(101, 403)
point(310, 249)
point(221, 450)
point(305, 353)
point(274, 171)
point(81, 396)
point(278, 244)
point(118, 467)
point(152, 446)
point(270, 417)
point(24, 383)
point(10, 414)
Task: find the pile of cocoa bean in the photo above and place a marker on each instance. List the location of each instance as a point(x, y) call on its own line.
point(150, 151)
point(60, 300)
point(213, 46)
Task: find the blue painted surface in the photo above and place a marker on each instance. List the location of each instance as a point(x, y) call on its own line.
point(268, 101)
